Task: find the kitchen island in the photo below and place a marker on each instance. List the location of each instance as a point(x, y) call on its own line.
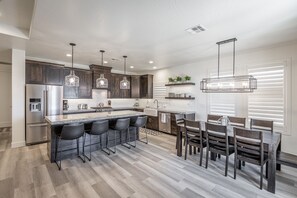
point(56, 123)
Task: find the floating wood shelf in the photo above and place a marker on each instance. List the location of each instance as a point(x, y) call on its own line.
point(181, 98)
point(178, 84)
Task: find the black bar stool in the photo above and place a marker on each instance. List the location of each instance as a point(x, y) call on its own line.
point(98, 128)
point(121, 126)
point(70, 132)
point(139, 123)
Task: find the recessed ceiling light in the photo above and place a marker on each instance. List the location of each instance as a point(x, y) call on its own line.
point(131, 67)
point(154, 67)
point(105, 62)
point(69, 55)
point(196, 29)
point(151, 62)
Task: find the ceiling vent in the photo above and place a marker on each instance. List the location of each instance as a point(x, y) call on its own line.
point(196, 29)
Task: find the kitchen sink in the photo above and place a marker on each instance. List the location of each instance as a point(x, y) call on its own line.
point(151, 112)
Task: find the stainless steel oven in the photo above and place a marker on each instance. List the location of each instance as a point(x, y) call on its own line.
point(165, 122)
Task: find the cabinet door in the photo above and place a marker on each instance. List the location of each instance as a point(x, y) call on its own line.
point(135, 86)
point(85, 83)
point(146, 86)
point(53, 75)
point(152, 123)
point(69, 92)
point(34, 73)
point(115, 86)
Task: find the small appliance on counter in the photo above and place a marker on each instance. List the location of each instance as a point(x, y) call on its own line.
point(109, 102)
point(65, 105)
point(82, 106)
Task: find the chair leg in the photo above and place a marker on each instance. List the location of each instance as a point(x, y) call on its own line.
point(125, 144)
point(235, 166)
point(261, 177)
point(190, 149)
point(186, 148)
point(90, 156)
point(266, 170)
point(219, 156)
point(146, 139)
point(195, 150)
point(135, 136)
point(226, 166)
point(106, 150)
point(115, 142)
point(201, 155)
point(239, 164)
point(207, 155)
point(77, 148)
point(243, 163)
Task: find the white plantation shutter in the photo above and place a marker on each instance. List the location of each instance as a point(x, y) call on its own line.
point(222, 103)
point(268, 101)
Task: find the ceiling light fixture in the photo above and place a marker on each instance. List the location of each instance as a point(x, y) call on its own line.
point(125, 84)
point(151, 62)
point(131, 67)
point(105, 62)
point(101, 82)
point(196, 29)
point(231, 84)
point(154, 67)
point(72, 80)
point(68, 55)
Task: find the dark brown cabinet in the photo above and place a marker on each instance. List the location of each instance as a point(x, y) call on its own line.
point(135, 86)
point(146, 86)
point(97, 70)
point(85, 85)
point(115, 91)
point(43, 73)
point(152, 123)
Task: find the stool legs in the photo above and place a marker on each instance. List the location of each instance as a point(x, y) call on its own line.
point(135, 138)
point(127, 137)
point(140, 139)
point(115, 143)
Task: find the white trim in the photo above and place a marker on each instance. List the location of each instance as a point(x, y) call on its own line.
point(5, 124)
point(18, 144)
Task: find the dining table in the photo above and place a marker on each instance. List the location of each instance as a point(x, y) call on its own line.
point(272, 144)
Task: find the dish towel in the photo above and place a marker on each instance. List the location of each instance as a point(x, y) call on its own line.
point(163, 118)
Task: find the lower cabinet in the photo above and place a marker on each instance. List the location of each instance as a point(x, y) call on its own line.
point(85, 85)
point(152, 123)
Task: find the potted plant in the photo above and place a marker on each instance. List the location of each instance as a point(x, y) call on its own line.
point(187, 78)
point(171, 80)
point(179, 79)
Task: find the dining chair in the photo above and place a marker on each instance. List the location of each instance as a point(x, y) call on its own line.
point(194, 137)
point(211, 118)
point(236, 121)
point(218, 142)
point(248, 145)
point(263, 125)
point(180, 123)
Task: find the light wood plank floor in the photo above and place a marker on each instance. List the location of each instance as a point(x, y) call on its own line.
point(151, 170)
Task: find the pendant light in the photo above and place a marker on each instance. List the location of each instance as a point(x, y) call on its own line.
point(125, 84)
point(101, 82)
point(230, 84)
point(72, 80)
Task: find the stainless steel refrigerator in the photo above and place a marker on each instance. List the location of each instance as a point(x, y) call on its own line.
point(41, 101)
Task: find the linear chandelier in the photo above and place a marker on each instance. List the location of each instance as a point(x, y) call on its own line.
point(230, 84)
point(72, 80)
point(101, 82)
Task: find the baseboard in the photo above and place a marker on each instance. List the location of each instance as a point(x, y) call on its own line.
point(18, 144)
point(5, 124)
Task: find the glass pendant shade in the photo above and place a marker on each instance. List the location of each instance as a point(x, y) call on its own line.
point(72, 80)
point(232, 84)
point(101, 82)
point(125, 84)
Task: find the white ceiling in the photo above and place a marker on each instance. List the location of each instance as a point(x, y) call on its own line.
point(154, 29)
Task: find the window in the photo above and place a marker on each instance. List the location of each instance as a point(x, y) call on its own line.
point(268, 101)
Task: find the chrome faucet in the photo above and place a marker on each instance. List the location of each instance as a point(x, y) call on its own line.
point(157, 103)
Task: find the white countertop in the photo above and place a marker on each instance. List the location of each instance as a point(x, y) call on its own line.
point(89, 117)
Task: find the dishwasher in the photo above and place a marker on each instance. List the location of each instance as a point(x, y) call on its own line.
point(164, 122)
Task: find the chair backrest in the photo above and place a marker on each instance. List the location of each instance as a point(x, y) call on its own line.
point(263, 125)
point(72, 131)
point(214, 118)
point(194, 128)
point(122, 124)
point(179, 118)
point(141, 121)
point(248, 144)
point(99, 127)
point(237, 121)
point(217, 136)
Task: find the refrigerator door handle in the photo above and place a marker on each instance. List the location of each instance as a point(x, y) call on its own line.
point(44, 103)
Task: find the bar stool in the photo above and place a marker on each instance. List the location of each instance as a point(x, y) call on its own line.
point(70, 132)
point(121, 126)
point(98, 129)
point(139, 123)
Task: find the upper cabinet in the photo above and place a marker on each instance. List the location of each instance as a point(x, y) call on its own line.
point(135, 86)
point(146, 86)
point(115, 91)
point(85, 85)
point(97, 70)
point(44, 73)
